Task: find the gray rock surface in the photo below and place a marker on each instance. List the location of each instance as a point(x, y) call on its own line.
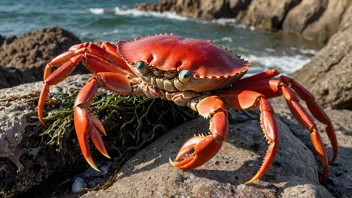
point(339, 181)
point(329, 74)
point(149, 173)
point(25, 160)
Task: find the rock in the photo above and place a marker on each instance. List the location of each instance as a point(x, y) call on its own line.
point(30, 52)
point(326, 25)
point(339, 181)
point(149, 173)
point(78, 184)
point(211, 9)
point(329, 74)
point(10, 76)
point(346, 20)
point(26, 160)
point(268, 14)
point(303, 14)
point(2, 39)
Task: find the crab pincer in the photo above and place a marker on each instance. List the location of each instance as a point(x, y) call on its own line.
point(87, 125)
point(205, 147)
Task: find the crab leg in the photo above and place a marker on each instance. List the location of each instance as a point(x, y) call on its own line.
point(244, 99)
point(274, 88)
point(107, 52)
point(88, 125)
point(56, 77)
point(258, 77)
point(205, 147)
point(316, 111)
point(93, 62)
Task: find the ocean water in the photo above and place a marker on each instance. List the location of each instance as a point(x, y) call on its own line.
point(113, 20)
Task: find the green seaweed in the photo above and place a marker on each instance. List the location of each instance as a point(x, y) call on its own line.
point(131, 123)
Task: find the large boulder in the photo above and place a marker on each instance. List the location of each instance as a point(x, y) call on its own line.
point(30, 52)
point(329, 74)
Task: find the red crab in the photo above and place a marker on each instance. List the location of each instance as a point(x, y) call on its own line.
point(190, 72)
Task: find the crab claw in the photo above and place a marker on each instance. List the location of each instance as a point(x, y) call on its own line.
point(204, 148)
point(87, 125)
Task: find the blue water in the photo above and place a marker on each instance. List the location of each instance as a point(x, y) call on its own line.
point(113, 20)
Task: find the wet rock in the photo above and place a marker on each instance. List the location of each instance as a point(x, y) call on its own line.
point(237, 7)
point(2, 39)
point(10, 76)
point(30, 52)
point(78, 184)
point(329, 74)
point(149, 173)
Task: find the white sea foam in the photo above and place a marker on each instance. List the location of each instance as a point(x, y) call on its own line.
point(226, 39)
point(111, 32)
point(98, 11)
point(304, 51)
point(286, 64)
point(270, 49)
point(135, 12)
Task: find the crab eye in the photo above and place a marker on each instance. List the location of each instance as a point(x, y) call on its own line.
point(141, 67)
point(184, 76)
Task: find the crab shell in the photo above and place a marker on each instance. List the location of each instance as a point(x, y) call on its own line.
point(211, 66)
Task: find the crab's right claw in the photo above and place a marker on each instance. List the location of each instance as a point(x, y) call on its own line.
point(204, 148)
point(87, 125)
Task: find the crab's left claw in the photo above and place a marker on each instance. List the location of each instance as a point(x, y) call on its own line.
point(204, 149)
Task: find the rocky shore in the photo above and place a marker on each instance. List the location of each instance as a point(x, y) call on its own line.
point(312, 19)
point(293, 174)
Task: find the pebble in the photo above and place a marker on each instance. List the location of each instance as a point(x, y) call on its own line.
point(78, 184)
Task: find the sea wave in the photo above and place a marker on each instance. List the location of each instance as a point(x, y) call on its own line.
point(164, 15)
point(138, 13)
point(285, 64)
point(97, 11)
